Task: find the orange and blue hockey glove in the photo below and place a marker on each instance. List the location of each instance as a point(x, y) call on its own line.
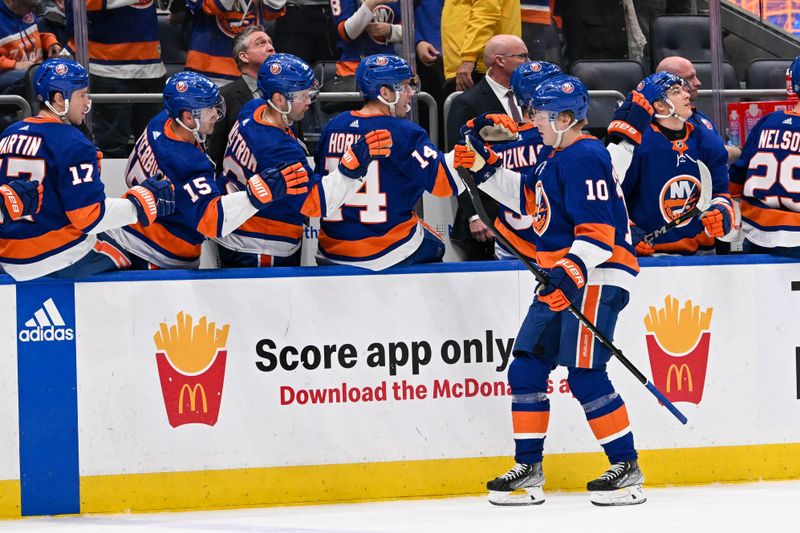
point(274, 183)
point(632, 117)
point(567, 278)
point(374, 145)
point(643, 248)
point(153, 198)
point(492, 127)
point(717, 221)
point(20, 198)
point(476, 156)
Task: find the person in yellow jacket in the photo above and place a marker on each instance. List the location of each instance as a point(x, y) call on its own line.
point(466, 26)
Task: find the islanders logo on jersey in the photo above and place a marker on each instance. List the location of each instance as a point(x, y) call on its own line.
point(541, 213)
point(232, 24)
point(679, 195)
point(382, 13)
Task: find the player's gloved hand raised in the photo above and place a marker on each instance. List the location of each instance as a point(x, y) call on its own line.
point(643, 248)
point(20, 198)
point(153, 198)
point(274, 183)
point(492, 127)
point(374, 145)
point(632, 117)
point(567, 278)
point(476, 156)
point(717, 221)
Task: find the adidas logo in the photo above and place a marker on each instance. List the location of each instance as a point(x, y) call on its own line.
point(788, 121)
point(156, 134)
point(354, 124)
point(24, 128)
point(46, 325)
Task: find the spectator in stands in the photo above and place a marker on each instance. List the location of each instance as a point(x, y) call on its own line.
point(430, 67)
point(251, 48)
point(492, 94)
point(53, 20)
point(467, 26)
point(307, 31)
point(215, 26)
point(124, 57)
point(21, 44)
point(536, 18)
point(365, 29)
point(684, 69)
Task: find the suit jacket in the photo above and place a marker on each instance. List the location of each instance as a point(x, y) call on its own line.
point(471, 103)
point(236, 94)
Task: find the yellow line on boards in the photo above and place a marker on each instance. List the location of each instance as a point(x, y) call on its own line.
point(214, 489)
point(10, 504)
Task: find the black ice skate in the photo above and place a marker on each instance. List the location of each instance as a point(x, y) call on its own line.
point(529, 478)
point(620, 485)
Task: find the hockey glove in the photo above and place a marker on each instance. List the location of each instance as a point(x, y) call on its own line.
point(20, 198)
point(153, 198)
point(643, 248)
point(275, 183)
point(632, 117)
point(492, 127)
point(374, 145)
point(717, 221)
point(476, 157)
point(567, 278)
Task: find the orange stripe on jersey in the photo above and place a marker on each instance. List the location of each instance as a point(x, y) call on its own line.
point(530, 201)
point(111, 251)
point(312, 206)
point(264, 260)
point(132, 51)
point(209, 222)
point(91, 5)
point(34, 246)
point(207, 63)
point(598, 232)
point(591, 301)
point(342, 32)
point(40, 119)
point(370, 245)
point(346, 68)
point(272, 227)
point(442, 187)
point(548, 259)
point(535, 16)
point(530, 421)
point(84, 217)
point(769, 217)
point(528, 249)
point(621, 256)
point(166, 240)
point(686, 245)
point(610, 424)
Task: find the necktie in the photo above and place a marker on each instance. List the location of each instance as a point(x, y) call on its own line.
point(512, 106)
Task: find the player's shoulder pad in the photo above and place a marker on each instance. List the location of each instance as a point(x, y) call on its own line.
point(247, 109)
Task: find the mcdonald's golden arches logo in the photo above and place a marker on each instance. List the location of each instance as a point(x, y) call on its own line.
point(191, 366)
point(678, 340)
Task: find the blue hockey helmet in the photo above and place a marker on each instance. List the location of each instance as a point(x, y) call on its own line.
point(62, 76)
point(561, 93)
point(655, 86)
point(528, 76)
point(285, 74)
point(375, 71)
point(794, 72)
point(191, 91)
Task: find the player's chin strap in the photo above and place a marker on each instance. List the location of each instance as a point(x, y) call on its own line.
point(63, 115)
point(392, 105)
point(559, 133)
point(284, 114)
point(672, 112)
point(199, 137)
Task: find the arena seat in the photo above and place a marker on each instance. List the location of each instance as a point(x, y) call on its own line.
point(730, 81)
point(612, 75)
point(767, 73)
point(680, 35)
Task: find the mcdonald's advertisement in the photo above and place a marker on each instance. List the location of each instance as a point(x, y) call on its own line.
point(238, 373)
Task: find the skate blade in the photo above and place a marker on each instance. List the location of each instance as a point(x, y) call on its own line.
point(633, 495)
point(531, 496)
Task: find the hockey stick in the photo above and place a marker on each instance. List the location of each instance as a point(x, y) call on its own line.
point(541, 277)
point(703, 203)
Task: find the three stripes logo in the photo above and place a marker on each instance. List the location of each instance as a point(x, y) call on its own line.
point(46, 325)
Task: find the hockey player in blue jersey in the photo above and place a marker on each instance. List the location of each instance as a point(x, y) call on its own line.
point(662, 179)
point(764, 180)
point(377, 227)
point(582, 239)
point(522, 155)
point(173, 144)
point(65, 237)
point(261, 139)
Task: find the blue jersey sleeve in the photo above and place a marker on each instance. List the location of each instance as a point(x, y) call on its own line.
point(424, 162)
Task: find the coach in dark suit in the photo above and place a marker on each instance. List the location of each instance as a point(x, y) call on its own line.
point(492, 94)
point(250, 49)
